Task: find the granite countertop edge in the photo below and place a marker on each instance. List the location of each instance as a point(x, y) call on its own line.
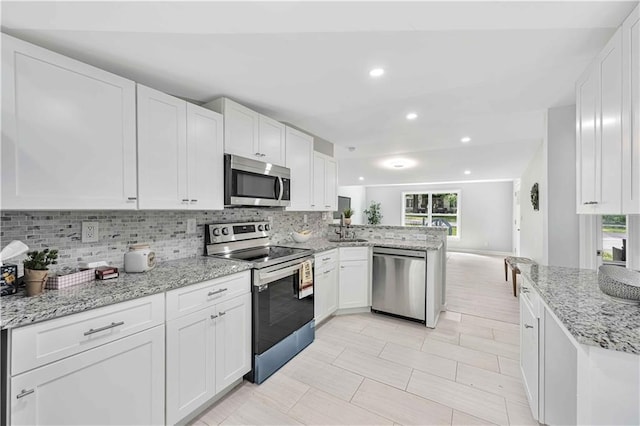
point(322, 244)
point(590, 316)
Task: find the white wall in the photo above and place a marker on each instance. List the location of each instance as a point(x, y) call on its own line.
point(358, 202)
point(531, 223)
point(563, 235)
point(485, 212)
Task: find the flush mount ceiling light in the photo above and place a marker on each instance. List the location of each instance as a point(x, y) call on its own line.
point(467, 172)
point(465, 139)
point(376, 72)
point(351, 148)
point(412, 116)
point(361, 178)
point(399, 163)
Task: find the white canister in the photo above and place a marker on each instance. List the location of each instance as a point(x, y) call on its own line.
point(139, 258)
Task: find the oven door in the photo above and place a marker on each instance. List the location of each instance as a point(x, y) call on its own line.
point(255, 183)
point(277, 311)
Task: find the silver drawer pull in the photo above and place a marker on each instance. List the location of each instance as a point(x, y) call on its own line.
point(213, 293)
point(326, 258)
point(326, 272)
point(528, 326)
point(194, 201)
point(222, 313)
point(524, 290)
point(214, 316)
point(25, 393)
point(106, 327)
point(131, 199)
point(590, 203)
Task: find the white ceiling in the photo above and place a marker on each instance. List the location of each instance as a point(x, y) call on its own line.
point(487, 70)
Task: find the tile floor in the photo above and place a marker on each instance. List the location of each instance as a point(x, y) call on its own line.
point(373, 369)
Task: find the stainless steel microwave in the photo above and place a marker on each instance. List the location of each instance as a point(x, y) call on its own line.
point(250, 182)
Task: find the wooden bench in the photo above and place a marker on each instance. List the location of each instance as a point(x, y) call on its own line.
point(512, 262)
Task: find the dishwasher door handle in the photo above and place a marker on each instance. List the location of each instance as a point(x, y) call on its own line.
point(417, 255)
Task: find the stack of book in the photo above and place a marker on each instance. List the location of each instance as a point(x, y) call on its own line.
point(106, 272)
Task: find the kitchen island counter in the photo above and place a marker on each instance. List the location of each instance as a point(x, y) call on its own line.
point(18, 310)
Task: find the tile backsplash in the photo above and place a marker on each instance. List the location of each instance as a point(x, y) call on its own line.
point(165, 231)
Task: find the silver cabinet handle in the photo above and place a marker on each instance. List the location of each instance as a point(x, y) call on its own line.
point(131, 199)
point(194, 201)
point(524, 290)
point(257, 154)
point(326, 272)
point(528, 326)
point(325, 259)
point(106, 327)
point(222, 313)
point(590, 203)
point(213, 293)
point(214, 316)
point(327, 206)
point(25, 393)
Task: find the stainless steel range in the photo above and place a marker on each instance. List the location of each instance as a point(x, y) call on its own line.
point(282, 315)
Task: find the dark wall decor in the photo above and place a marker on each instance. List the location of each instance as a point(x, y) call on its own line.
point(535, 200)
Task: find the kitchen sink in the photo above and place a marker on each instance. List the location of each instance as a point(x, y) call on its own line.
point(348, 240)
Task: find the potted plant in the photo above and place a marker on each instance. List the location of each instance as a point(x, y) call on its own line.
point(348, 212)
point(36, 269)
point(374, 216)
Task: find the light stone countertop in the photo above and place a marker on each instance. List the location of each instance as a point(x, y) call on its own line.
point(592, 317)
point(18, 310)
point(322, 244)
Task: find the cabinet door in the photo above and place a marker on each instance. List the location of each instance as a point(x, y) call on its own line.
point(119, 383)
point(190, 363)
point(205, 155)
point(68, 133)
point(331, 185)
point(331, 291)
point(240, 130)
point(317, 196)
point(609, 142)
point(586, 127)
point(529, 353)
point(631, 113)
point(233, 340)
point(319, 299)
point(162, 150)
point(299, 158)
point(354, 285)
point(271, 141)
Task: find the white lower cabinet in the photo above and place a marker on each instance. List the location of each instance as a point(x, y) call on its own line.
point(529, 350)
point(325, 292)
point(121, 382)
point(354, 277)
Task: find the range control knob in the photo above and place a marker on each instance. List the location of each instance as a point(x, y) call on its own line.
point(267, 227)
point(260, 228)
point(216, 232)
point(225, 231)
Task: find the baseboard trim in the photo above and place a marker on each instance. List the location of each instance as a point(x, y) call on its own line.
point(484, 252)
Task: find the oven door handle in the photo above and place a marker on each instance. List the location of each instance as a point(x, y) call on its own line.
point(269, 277)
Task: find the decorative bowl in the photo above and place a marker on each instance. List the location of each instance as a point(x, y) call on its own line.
point(619, 282)
point(301, 237)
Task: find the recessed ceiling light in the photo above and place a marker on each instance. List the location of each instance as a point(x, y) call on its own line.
point(467, 172)
point(376, 72)
point(399, 163)
point(465, 139)
point(361, 178)
point(412, 116)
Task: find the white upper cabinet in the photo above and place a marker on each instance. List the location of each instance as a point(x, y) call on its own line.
point(250, 134)
point(325, 181)
point(68, 133)
point(599, 132)
point(631, 113)
point(299, 158)
point(179, 154)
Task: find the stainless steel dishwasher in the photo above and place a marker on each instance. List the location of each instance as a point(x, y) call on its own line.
point(399, 282)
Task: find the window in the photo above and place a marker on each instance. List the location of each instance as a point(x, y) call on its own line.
point(432, 209)
point(614, 239)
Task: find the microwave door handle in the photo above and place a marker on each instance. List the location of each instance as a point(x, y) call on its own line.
point(278, 188)
point(281, 188)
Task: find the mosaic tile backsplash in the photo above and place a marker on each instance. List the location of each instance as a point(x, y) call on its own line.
point(165, 231)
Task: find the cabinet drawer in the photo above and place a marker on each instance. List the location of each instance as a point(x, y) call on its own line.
point(40, 344)
point(195, 297)
point(531, 297)
point(325, 258)
point(354, 253)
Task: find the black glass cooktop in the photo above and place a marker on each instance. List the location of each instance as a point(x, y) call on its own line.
point(269, 255)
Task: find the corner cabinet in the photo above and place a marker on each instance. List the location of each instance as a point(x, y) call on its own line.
point(250, 134)
point(631, 113)
point(325, 293)
point(299, 159)
point(325, 183)
point(180, 152)
point(354, 277)
point(68, 133)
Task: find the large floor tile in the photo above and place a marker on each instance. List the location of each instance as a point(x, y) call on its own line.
point(520, 414)
point(320, 408)
point(444, 334)
point(461, 354)
point(322, 350)
point(420, 360)
point(258, 411)
point(228, 404)
point(491, 323)
point(353, 340)
point(328, 378)
point(282, 390)
point(471, 329)
point(475, 402)
point(491, 346)
point(401, 407)
point(464, 419)
point(510, 367)
point(507, 336)
point(374, 368)
point(499, 384)
point(409, 337)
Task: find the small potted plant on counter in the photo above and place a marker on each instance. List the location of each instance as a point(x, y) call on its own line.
point(36, 270)
point(347, 215)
